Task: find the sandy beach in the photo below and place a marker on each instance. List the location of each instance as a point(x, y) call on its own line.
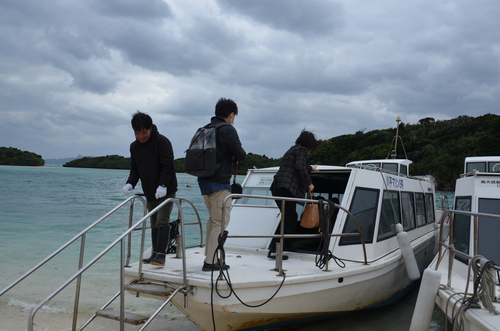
point(14, 317)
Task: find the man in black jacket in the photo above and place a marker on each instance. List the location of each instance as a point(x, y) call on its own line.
point(217, 187)
point(152, 161)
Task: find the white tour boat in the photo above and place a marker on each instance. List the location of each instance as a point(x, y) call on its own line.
point(465, 272)
point(337, 271)
point(375, 237)
point(379, 237)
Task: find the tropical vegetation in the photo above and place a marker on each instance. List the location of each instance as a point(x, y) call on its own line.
point(14, 156)
point(437, 148)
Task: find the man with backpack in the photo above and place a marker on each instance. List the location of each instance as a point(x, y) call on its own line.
point(152, 161)
point(215, 188)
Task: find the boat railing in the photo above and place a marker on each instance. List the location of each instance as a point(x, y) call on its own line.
point(446, 235)
point(82, 235)
point(282, 236)
point(125, 253)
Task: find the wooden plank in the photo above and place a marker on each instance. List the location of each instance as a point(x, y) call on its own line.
point(157, 290)
point(129, 318)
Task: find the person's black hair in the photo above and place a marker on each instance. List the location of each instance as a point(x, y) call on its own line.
point(225, 107)
point(141, 121)
point(308, 140)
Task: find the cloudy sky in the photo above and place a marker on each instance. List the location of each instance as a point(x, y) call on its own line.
point(72, 72)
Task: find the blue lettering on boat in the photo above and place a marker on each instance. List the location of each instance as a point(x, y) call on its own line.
point(394, 182)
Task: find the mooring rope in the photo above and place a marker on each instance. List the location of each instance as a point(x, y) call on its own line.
point(484, 290)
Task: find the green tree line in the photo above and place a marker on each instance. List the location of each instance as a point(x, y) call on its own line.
point(437, 148)
point(14, 156)
point(105, 162)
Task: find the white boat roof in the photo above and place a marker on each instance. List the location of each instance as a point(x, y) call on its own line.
point(405, 162)
point(398, 161)
point(488, 164)
point(320, 167)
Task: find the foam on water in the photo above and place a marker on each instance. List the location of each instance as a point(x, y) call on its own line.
point(25, 306)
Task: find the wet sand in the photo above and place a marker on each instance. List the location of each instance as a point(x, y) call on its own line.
point(15, 318)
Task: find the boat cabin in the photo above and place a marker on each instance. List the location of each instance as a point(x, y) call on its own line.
point(489, 164)
point(378, 193)
point(478, 191)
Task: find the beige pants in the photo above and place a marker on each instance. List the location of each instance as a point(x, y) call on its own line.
point(214, 204)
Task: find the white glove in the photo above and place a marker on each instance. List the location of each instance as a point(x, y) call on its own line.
point(127, 189)
point(160, 192)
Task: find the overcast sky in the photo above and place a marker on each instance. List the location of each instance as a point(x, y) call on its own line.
point(72, 72)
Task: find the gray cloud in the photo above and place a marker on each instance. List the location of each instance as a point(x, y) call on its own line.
point(307, 18)
point(73, 72)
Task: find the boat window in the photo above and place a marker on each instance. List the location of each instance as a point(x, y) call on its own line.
point(254, 201)
point(403, 169)
point(330, 184)
point(488, 229)
point(374, 165)
point(390, 166)
point(493, 167)
point(364, 210)
point(479, 166)
point(408, 207)
point(461, 227)
point(429, 207)
point(389, 216)
point(420, 208)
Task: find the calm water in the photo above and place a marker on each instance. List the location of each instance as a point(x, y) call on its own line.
point(42, 208)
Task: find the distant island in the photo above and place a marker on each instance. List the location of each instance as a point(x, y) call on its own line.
point(14, 156)
point(437, 148)
point(103, 162)
point(120, 162)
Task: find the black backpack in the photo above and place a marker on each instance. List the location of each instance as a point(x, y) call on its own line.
point(201, 156)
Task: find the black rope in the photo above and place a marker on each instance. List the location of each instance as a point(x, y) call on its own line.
point(225, 276)
point(323, 255)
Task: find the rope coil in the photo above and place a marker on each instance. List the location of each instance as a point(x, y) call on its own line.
point(484, 290)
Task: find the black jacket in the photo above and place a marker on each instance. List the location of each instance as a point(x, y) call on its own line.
point(228, 147)
point(294, 171)
point(153, 163)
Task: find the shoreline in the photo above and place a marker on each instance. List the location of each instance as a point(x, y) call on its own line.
point(15, 315)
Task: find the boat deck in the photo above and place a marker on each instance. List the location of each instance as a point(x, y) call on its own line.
point(451, 298)
point(246, 268)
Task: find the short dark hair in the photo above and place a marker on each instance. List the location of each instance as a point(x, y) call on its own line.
point(141, 120)
point(308, 140)
point(225, 107)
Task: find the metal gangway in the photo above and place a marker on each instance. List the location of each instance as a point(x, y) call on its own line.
point(124, 241)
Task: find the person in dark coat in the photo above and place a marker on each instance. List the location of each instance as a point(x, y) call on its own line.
point(217, 187)
point(152, 162)
point(293, 180)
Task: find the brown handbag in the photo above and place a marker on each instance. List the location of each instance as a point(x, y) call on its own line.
point(310, 216)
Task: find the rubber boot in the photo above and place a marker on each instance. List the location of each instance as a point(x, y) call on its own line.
point(154, 240)
point(162, 243)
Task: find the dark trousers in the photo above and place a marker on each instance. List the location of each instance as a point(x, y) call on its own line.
point(290, 221)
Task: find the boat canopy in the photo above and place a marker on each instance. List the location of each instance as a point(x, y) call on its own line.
point(399, 166)
point(482, 164)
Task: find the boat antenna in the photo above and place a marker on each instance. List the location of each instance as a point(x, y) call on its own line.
point(393, 152)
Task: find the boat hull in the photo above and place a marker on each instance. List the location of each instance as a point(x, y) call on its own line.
point(306, 293)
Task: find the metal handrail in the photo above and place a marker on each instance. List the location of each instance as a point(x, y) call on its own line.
point(125, 256)
point(71, 241)
point(120, 240)
point(282, 235)
point(449, 214)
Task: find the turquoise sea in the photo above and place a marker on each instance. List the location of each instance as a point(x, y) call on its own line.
point(41, 208)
